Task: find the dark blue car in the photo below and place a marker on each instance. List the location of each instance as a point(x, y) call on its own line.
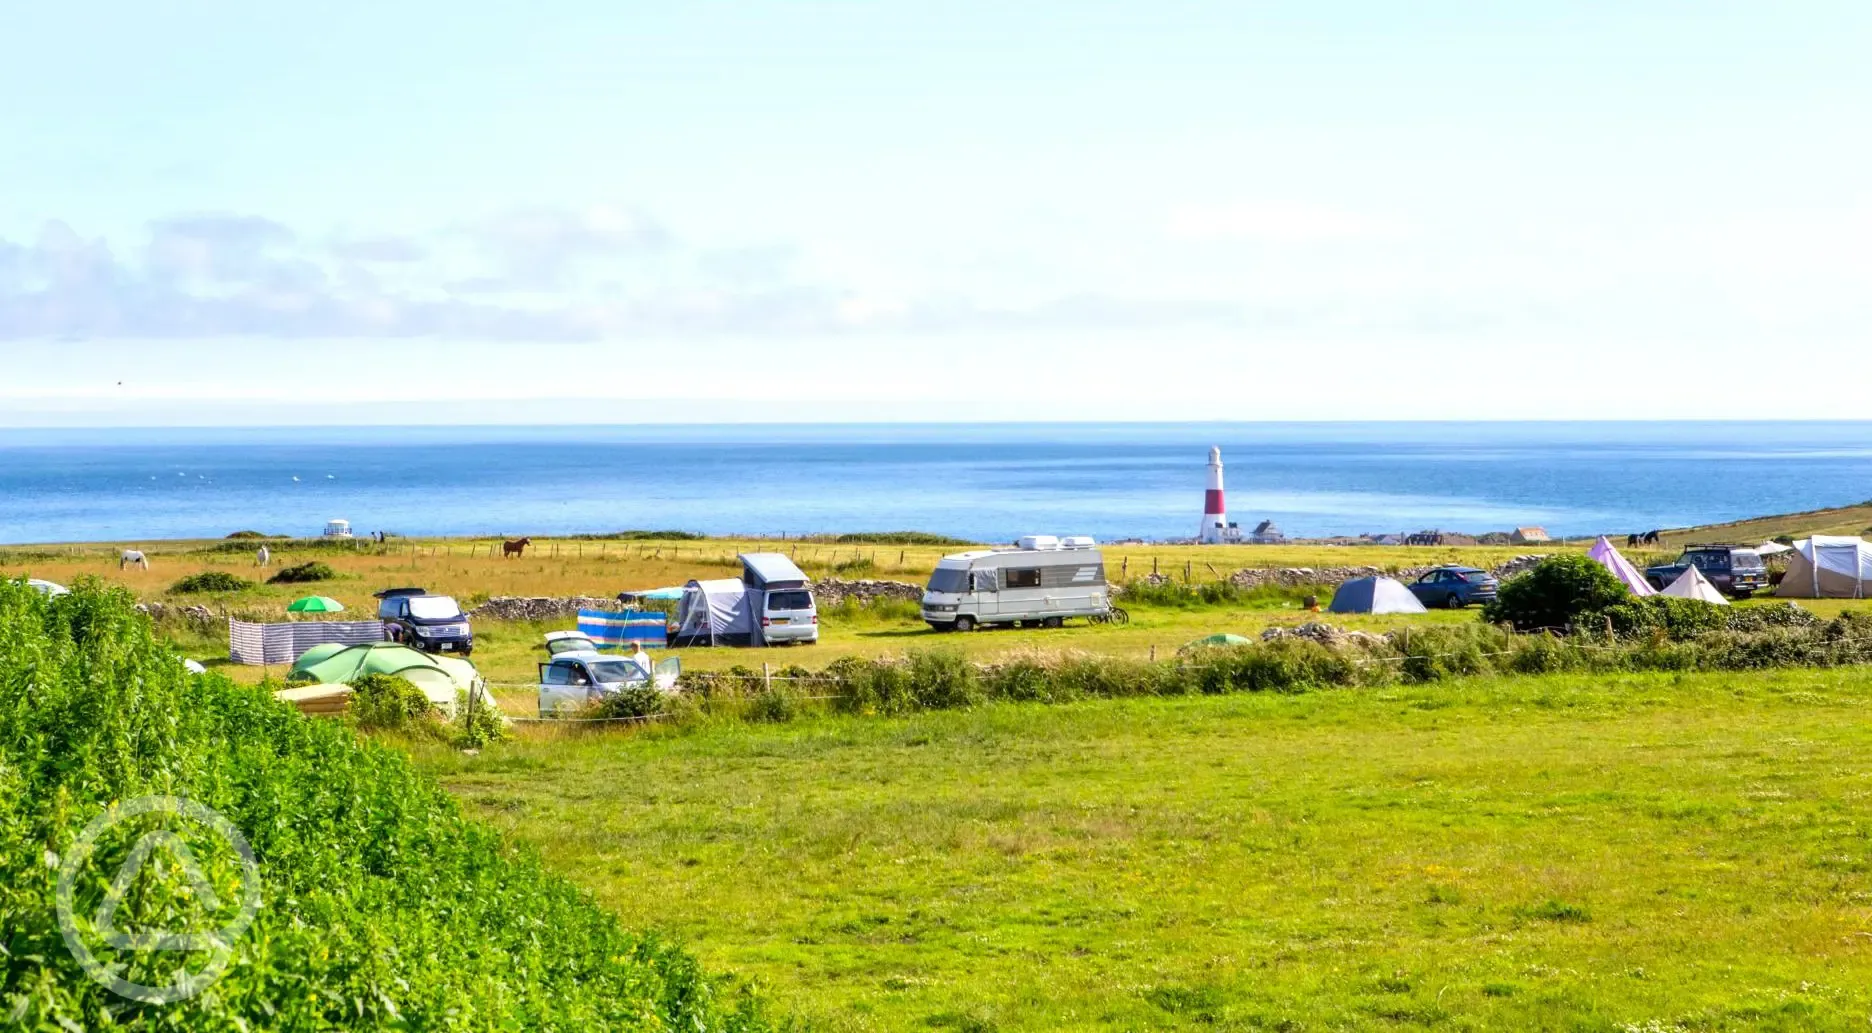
point(1454, 587)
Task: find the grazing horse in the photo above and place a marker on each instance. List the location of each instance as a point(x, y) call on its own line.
point(131, 557)
point(1652, 537)
point(263, 557)
point(517, 547)
point(1632, 540)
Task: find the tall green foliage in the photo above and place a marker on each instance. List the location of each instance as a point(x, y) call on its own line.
point(1557, 593)
point(381, 906)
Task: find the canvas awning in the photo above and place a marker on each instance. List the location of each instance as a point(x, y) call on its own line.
point(1828, 566)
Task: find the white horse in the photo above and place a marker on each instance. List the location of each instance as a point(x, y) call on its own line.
point(132, 558)
point(263, 556)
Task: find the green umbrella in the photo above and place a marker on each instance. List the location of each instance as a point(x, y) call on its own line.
point(316, 604)
point(1217, 640)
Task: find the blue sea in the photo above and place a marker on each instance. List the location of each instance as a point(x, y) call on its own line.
point(990, 482)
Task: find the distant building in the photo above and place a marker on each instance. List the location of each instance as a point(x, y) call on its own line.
point(1265, 533)
point(1389, 539)
point(1528, 535)
point(1439, 538)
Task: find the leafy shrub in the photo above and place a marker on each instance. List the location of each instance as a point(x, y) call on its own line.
point(388, 702)
point(477, 723)
point(210, 581)
point(776, 705)
point(1761, 618)
point(1555, 594)
point(630, 701)
point(304, 573)
point(942, 679)
point(1675, 618)
point(637, 536)
point(248, 535)
point(382, 906)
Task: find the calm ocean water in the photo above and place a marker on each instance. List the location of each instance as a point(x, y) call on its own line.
point(985, 481)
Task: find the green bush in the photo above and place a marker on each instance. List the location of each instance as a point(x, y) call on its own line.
point(630, 701)
point(1557, 593)
point(304, 573)
point(382, 906)
point(1675, 618)
point(388, 702)
point(210, 581)
point(1761, 618)
point(248, 535)
point(942, 679)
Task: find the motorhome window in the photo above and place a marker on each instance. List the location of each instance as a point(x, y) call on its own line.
point(1022, 578)
point(947, 580)
point(982, 581)
point(795, 600)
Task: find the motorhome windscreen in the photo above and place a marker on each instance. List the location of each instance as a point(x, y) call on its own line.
point(433, 607)
point(946, 580)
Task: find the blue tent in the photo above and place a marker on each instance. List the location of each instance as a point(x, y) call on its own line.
point(1374, 595)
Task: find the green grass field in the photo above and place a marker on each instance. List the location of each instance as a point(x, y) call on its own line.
point(1646, 852)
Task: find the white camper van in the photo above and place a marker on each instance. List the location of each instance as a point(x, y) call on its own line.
point(1040, 582)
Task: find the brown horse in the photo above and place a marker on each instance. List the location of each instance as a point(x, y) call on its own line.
point(517, 547)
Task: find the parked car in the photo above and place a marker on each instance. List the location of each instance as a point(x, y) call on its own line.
point(571, 681)
point(1454, 587)
point(1735, 570)
point(431, 623)
point(50, 589)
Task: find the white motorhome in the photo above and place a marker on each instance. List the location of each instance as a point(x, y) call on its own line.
point(1039, 583)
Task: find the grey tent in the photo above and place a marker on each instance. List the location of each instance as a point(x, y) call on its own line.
point(1374, 595)
point(715, 613)
point(1828, 567)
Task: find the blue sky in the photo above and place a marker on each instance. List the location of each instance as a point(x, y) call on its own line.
point(604, 211)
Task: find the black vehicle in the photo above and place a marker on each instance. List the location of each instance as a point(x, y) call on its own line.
point(1735, 570)
point(1454, 587)
point(431, 623)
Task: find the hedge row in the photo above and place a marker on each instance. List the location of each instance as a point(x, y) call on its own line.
point(943, 679)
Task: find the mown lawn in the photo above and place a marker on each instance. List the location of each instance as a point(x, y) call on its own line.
point(1648, 852)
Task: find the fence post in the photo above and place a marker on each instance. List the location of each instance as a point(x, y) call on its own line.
point(1153, 566)
point(1124, 568)
point(1153, 652)
point(766, 675)
point(1187, 567)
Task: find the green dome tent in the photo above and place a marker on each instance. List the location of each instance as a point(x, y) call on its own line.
point(439, 677)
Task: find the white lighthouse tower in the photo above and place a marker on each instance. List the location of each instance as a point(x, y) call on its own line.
point(1215, 526)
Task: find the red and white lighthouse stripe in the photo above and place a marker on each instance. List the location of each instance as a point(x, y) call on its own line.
point(1215, 510)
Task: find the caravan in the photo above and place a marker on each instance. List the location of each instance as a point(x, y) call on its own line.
point(1041, 582)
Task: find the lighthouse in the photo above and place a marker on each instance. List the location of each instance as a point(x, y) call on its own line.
point(1215, 526)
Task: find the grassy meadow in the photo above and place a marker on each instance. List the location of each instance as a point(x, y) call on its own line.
point(1648, 852)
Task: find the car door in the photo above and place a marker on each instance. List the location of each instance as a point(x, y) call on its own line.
point(1431, 589)
point(561, 689)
